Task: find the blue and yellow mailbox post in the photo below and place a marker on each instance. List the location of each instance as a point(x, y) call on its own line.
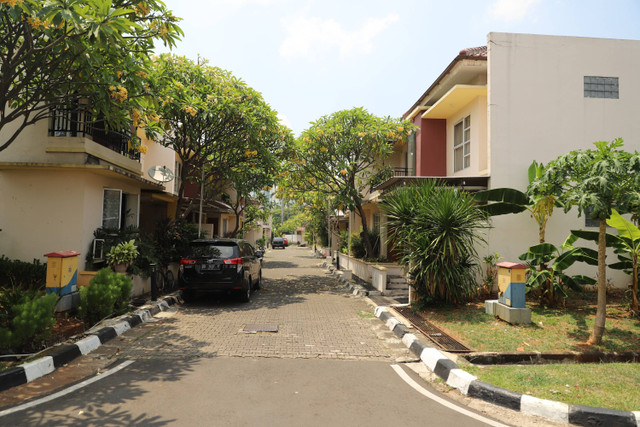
point(62, 272)
point(511, 284)
point(510, 305)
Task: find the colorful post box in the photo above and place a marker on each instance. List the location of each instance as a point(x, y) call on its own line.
point(62, 272)
point(511, 284)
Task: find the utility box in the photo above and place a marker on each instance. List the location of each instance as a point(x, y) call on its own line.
point(62, 272)
point(511, 284)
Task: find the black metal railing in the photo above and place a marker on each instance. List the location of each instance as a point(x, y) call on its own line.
point(78, 123)
point(400, 172)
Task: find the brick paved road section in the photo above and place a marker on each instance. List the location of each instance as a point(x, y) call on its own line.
point(316, 318)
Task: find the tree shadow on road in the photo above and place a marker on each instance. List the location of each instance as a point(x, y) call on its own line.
point(100, 404)
point(274, 293)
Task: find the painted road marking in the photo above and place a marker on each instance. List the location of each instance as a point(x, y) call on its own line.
point(402, 374)
point(66, 391)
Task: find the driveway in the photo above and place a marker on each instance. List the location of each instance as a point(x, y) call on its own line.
point(313, 317)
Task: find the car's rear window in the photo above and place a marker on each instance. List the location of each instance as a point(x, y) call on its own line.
point(208, 250)
point(278, 239)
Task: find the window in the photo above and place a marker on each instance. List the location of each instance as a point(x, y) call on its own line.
point(111, 203)
point(600, 87)
point(119, 210)
point(588, 222)
point(376, 223)
point(462, 144)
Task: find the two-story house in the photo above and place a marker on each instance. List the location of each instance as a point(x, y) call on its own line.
point(496, 108)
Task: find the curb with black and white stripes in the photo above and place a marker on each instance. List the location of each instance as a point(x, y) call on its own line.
point(30, 371)
point(469, 385)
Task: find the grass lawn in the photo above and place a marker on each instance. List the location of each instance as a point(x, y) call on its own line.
point(607, 385)
point(562, 329)
point(610, 385)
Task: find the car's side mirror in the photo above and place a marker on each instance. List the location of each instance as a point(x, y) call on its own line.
point(259, 254)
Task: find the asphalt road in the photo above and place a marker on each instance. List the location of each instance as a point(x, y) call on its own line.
point(328, 364)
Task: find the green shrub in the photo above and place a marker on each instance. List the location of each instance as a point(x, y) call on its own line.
point(172, 238)
point(357, 244)
point(108, 293)
point(437, 229)
point(26, 318)
point(23, 274)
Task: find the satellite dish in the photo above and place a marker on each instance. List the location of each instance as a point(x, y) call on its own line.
point(161, 173)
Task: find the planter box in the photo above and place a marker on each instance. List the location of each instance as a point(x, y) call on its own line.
point(374, 273)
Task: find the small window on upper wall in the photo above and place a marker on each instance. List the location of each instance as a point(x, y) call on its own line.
point(601, 87)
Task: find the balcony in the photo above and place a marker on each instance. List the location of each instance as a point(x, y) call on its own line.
point(77, 123)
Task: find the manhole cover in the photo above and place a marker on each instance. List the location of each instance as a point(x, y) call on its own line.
point(260, 327)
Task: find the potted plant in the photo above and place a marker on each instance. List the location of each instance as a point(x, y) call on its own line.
point(122, 255)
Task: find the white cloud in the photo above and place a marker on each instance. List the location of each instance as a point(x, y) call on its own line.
point(511, 10)
point(309, 37)
point(284, 120)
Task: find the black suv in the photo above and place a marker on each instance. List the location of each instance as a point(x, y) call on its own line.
point(229, 266)
point(278, 242)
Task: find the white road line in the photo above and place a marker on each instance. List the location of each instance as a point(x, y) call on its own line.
point(66, 391)
point(402, 374)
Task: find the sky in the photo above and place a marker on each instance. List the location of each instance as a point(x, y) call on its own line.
point(311, 58)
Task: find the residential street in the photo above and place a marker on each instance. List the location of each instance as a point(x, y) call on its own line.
point(329, 364)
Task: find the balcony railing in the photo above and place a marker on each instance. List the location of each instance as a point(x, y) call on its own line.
point(77, 123)
point(400, 172)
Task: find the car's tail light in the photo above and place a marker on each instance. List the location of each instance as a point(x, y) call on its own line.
point(235, 261)
point(185, 261)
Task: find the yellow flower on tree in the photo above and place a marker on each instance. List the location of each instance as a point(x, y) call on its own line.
point(343, 172)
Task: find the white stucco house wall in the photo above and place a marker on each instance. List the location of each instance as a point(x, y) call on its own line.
point(522, 97)
point(60, 182)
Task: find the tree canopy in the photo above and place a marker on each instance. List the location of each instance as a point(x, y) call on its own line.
point(342, 155)
point(596, 181)
point(88, 55)
point(216, 124)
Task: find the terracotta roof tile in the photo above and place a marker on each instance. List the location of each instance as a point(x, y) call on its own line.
point(475, 52)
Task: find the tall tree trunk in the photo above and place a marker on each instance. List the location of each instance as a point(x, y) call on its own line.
point(601, 312)
point(236, 229)
point(634, 287)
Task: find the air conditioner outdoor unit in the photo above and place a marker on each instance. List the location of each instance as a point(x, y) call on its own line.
point(98, 250)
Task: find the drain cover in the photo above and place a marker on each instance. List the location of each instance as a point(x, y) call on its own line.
point(260, 327)
point(436, 335)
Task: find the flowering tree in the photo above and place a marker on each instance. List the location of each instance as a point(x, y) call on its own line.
point(342, 155)
point(213, 121)
point(81, 55)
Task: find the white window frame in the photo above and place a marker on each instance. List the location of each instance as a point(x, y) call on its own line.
point(464, 145)
point(104, 190)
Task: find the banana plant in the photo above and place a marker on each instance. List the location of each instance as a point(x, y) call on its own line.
point(550, 279)
point(626, 245)
point(537, 200)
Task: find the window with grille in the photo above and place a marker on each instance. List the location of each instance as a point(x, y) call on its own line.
point(462, 144)
point(601, 87)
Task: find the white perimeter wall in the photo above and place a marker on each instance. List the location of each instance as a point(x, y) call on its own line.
point(537, 111)
point(45, 211)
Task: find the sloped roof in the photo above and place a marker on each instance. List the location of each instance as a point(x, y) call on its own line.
point(474, 53)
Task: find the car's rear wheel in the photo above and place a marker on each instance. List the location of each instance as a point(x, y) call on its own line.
point(259, 282)
point(245, 296)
